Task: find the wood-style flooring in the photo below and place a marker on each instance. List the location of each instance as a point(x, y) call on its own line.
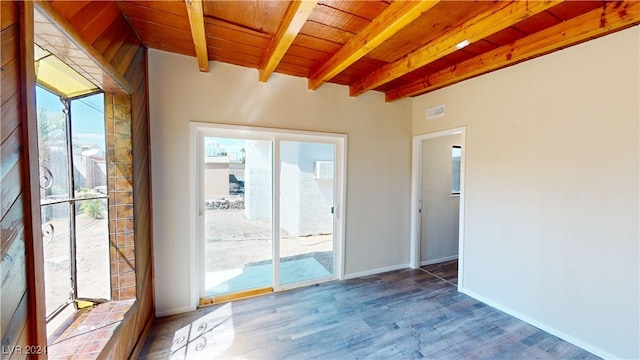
point(404, 314)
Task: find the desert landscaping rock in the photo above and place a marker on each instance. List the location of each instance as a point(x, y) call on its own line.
point(224, 204)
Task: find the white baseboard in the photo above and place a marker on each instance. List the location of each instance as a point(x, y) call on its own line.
point(375, 271)
point(551, 330)
point(174, 311)
point(435, 261)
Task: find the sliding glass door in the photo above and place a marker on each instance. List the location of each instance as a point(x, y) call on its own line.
point(267, 208)
point(238, 239)
point(306, 210)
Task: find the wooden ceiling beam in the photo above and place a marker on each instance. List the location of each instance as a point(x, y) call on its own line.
point(196, 22)
point(613, 17)
point(395, 17)
point(498, 17)
point(297, 14)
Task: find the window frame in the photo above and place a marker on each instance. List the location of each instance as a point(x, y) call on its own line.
point(200, 130)
point(453, 170)
point(71, 200)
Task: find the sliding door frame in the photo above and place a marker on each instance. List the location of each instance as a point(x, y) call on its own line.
point(200, 130)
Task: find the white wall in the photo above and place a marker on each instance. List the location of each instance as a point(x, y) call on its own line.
point(305, 202)
point(440, 211)
point(378, 163)
point(552, 181)
point(258, 184)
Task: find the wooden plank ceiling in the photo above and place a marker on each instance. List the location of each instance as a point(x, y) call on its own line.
point(402, 48)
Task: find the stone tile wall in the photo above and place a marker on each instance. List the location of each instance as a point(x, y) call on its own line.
point(120, 185)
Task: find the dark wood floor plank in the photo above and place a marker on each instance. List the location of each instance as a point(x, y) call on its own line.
point(447, 270)
point(407, 314)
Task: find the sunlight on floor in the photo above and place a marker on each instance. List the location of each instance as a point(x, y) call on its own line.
point(215, 278)
point(256, 276)
point(205, 338)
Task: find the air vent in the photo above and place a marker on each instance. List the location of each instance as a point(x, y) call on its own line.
point(435, 112)
point(324, 169)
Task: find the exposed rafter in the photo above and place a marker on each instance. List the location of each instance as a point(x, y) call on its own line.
point(111, 76)
point(196, 21)
point(395, 17)
point(339, 33)
point(295, 17)
point(614, 17)
point(497, 18)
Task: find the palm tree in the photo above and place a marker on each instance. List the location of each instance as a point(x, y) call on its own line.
point(51, 138)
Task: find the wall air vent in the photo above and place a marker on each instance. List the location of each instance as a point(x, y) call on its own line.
point(435, 112)
point(323, 169)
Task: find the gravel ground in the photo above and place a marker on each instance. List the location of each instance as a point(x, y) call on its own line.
point(233, 242)
point(92, 254)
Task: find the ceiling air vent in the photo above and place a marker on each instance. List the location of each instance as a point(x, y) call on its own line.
point(435, 112)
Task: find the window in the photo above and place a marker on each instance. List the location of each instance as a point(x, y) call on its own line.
point(73, 199)
point(456, 154)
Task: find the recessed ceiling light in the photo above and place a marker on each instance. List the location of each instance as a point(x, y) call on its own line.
point(462, 44)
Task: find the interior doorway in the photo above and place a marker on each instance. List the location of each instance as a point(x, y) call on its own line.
point(438, 198)
point(269, 206)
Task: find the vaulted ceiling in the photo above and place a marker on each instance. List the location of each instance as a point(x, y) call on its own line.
point(401, 48)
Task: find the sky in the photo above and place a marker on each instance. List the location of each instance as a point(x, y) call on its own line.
point(227, 144)
point(87, 115)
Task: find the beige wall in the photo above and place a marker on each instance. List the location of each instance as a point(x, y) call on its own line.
point(552, 178)
point(377, 218)
point(216, 179)
point(552, 182)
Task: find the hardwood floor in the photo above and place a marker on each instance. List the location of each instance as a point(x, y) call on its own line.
point(447, 271)
point(403, 314)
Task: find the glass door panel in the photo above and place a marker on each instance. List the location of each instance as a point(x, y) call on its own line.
point(306, 211)
point(237, 188)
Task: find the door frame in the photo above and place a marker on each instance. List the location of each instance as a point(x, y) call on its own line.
point(416, 185)
point(198, 130)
